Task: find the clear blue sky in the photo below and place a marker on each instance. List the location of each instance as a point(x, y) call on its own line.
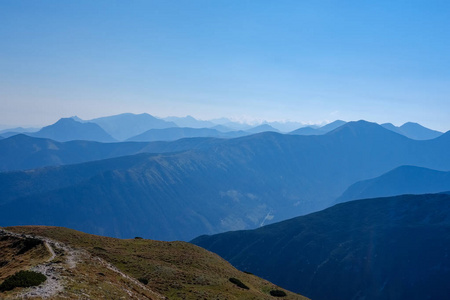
point(307, 61)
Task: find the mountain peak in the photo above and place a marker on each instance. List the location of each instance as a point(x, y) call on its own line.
point(361, 127)
point(67, 129)
point(126, 125)
point(413, 131)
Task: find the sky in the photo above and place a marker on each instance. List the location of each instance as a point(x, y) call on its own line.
point(306, 61)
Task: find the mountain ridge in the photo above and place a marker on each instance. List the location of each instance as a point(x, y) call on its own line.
point(225, 185)
point(401, 180)
point(382, 248)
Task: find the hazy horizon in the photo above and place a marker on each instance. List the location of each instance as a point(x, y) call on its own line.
point(251, 122)
point(306, 62)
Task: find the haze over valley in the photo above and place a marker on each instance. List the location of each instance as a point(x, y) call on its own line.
point(224, 150)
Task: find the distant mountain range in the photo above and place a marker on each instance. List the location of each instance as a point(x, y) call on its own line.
point(128, 126)
point(17, 130)
point(413, 131)
point(384, 248)
point(402, 180)
point(68, 129)
point(124, 126)
point(212, 185)
point(190, 122)
point(262, 128)
point(318, 130)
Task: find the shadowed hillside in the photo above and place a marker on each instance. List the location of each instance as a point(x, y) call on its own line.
point(384, 248)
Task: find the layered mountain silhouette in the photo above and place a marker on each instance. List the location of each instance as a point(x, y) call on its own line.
point(127, 125)
point(261, 128)
point(384, 248)
point(190, 122)
point(402, 180)
point(22, 152)
point(175, 133)
point(222, 128)
point(286, 126)
point(68, 129)
point(308, 130)
point(413, 131)
point(5, 133)
point(217, 185)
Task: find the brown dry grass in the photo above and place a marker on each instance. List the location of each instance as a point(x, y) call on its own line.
point(178, 270)
point(12, 260)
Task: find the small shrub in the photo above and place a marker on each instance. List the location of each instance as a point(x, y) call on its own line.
point(99, 248)
point(26, 244)
point(138, 238)
point(277, 293)
point(143, 280)
point(22, 279)
point(239, 283)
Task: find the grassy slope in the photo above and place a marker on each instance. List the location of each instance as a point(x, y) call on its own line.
point(89, 278)
point(14, 256)
point(178, 270)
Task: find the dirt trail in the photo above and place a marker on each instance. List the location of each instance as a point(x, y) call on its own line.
point(63, 257)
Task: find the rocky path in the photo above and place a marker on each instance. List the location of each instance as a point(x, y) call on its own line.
point(63, 257)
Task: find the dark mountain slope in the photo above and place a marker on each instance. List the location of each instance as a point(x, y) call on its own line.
point(229, 184)
point(67, 129)
point(126, 125)
point(402, 180)
point(22, 152)
point(385, 248)
point(36, 181)
point(163, 197)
